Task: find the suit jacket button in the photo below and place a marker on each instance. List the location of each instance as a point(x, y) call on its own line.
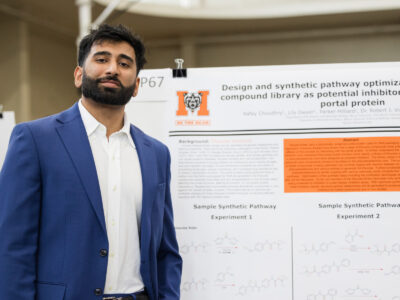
point(103, 252)
point(97, 292)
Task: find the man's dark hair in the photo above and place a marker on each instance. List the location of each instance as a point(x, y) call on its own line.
point(115, 34)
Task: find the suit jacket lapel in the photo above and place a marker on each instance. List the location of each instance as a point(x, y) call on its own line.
point(148, 169)
point(73, 134)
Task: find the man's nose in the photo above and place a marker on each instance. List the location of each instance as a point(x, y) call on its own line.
point(112, 68)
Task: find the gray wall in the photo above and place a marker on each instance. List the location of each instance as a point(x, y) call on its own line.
point(37, 65)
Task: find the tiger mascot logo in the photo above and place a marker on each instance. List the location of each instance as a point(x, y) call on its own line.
point(192, 101)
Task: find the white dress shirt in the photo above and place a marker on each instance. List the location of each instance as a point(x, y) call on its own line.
point(120, 180)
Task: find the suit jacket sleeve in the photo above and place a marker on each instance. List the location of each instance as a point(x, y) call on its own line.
point(20, 194)
point(169, 261)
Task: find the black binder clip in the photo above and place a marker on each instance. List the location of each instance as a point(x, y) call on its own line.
point(179, 72)
point(1, 111)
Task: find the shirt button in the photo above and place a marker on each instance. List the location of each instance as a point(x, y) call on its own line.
point(103, 252)
point(114, 188)
point(98, 292)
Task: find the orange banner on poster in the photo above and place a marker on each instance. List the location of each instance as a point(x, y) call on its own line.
point(362, 164)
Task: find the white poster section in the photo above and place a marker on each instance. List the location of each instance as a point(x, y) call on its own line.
point(285, 179)
point(7, 123)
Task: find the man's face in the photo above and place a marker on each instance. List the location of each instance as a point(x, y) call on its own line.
point(108, 75)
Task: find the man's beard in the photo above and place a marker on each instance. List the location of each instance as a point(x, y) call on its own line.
point(92, 89)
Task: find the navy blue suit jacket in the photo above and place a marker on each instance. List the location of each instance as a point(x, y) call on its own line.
point(52, 225)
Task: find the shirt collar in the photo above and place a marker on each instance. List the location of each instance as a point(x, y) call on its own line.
point(91, 124)
point(127, 130)
point(89, 121)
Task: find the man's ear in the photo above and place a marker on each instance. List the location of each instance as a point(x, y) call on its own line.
point(135, 92)
point(78, 76)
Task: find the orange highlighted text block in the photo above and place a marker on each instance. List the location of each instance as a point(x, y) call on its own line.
point(362, 164)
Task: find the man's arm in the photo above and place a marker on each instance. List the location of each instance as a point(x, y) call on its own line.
point(20, 194)
point(169, 261)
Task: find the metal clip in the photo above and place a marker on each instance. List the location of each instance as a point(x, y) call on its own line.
point(179, 71)
point(179, 63)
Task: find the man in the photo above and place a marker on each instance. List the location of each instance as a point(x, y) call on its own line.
point(85, 206)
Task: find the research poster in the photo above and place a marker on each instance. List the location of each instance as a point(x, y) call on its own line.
point(7, 123)
point(154, 92)
point(286, 180)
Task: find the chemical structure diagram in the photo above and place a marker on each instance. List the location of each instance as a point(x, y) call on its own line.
point(317, 249)
point(394, 271)
point(327, 268)
point(386, 249)
point(328, 295)
point(358, 292)
point(225, 279)
point(194, 247)
point(265, 245)
point(194, 285)
point(226, 240)
point(226, 244)
point(352, 237)
point(254, 286)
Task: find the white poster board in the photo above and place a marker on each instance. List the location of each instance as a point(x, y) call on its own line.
point(148, 110)
point(286, 180)
point(7, 123)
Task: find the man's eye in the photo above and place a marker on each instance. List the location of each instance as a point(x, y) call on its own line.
point(101, 60)
point(123, 64)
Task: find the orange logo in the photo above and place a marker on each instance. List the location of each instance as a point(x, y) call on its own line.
point(195, 102)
